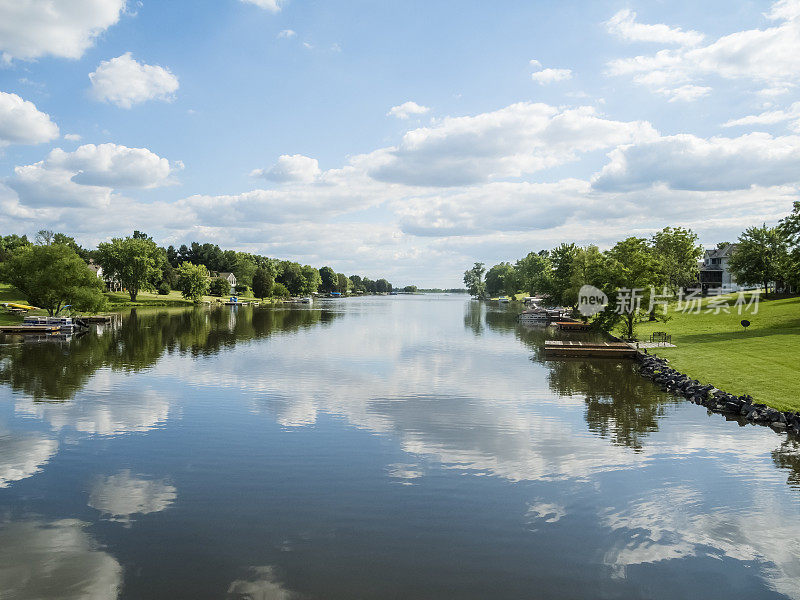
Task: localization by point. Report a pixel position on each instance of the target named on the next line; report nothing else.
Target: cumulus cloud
(546, 76)
(516, 140)
(768, 56)
(688, 162)
(87, 175)
(286, 33)
(407, 109)
(125, 82)
(268, 5)
(770, 117)
(623, 24)
(22, 123)
(30, 29)
(290, 168)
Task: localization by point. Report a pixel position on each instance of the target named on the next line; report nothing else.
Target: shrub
(280, 291)
(219, 287)
(163, 288)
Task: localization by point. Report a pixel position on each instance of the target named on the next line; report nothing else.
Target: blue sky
(403, 139)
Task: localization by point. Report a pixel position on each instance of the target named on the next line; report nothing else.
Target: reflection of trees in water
(58, 370)
(787, 456)
(473, 316)
(477, 315)
(620, 405)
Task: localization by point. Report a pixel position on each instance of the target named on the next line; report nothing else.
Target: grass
(762, 360)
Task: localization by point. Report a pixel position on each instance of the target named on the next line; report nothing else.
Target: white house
(715, 270)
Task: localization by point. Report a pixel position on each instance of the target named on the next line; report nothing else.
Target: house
(229, 277)
(111, 285)
(715, 270)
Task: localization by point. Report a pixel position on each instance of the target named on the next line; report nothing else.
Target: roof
(721, 252)
(226, 275)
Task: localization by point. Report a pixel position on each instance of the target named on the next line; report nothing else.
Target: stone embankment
(743, 407)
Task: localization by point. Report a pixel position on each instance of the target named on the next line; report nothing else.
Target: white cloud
(546, 76)
(122, 495)
(768, 56)
(286, 33)
(687, 162)
(87, 175)
(269, 5)
(125, 82)
(31, 29)
(22, 123)
(685, 93)
(624, 25)
(262, 583)
(72, 137)
(535, 63)
(407, 109)
(513, 141)
(770, 117)
(291, 168)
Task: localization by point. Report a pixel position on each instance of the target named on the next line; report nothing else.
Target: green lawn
(763, 360)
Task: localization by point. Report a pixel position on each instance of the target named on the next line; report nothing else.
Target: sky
(404, 140)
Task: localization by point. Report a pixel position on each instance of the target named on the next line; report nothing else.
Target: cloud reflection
(55, 560)
(262, 584)
(23, 455)
(121, 496)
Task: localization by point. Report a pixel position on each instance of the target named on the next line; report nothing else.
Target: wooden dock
(573, 326)
(29, 328)
(572, 349)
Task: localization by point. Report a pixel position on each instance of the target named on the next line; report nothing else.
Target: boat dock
(573, 349)
(573, 326)
(29, 328)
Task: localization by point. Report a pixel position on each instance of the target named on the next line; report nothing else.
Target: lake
(380, 447)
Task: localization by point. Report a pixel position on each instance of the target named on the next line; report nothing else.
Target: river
(382, 447)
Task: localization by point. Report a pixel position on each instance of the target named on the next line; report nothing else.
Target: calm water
(396, 447)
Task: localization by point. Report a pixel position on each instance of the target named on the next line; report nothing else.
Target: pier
(573, 349)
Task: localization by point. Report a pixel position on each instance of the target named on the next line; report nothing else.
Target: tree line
(53, 270)
(663, 264)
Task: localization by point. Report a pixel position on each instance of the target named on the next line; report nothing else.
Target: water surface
(393, 447)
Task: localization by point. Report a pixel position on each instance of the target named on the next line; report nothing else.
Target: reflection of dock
(566, 348)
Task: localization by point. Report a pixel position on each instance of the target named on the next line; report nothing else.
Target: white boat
(67, 323)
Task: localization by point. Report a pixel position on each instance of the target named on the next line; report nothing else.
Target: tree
(559, 281)
(291, 275)
(280, 291)
(410, 289)
(53, 276)
(311, 280)
(44, 237)
(343, 283)
(382, 286)
(629, 275)
(789, 228)
(263, 280)
(192, 281)
(501, 279)
(358, 283)
(219, 286)
(473, 279)
(761, 257)
(134, 262)
(676, 254)
(329, 279)
(9, 244)
(532, 273)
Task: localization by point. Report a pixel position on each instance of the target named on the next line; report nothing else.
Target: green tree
(192, 281)
(358, 283)
(219, 286)
(676, 253)
(280, 291)
(291, 275)
(559, 281)
(533, 273)
(382, 286)
(473, 279)
(263, 280)
(789, 228)
(761, 257)
(53, 276)
(10, 244)
(134, 262)
(342, 283)
(329, 279)
(311, 280)
(500, 279)
(629, 275)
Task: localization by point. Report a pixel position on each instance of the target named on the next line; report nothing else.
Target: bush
(280, 291)
(163, 288)
(241, 289)
(219, 287)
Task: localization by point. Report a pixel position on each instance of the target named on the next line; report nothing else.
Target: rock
(778, 426)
